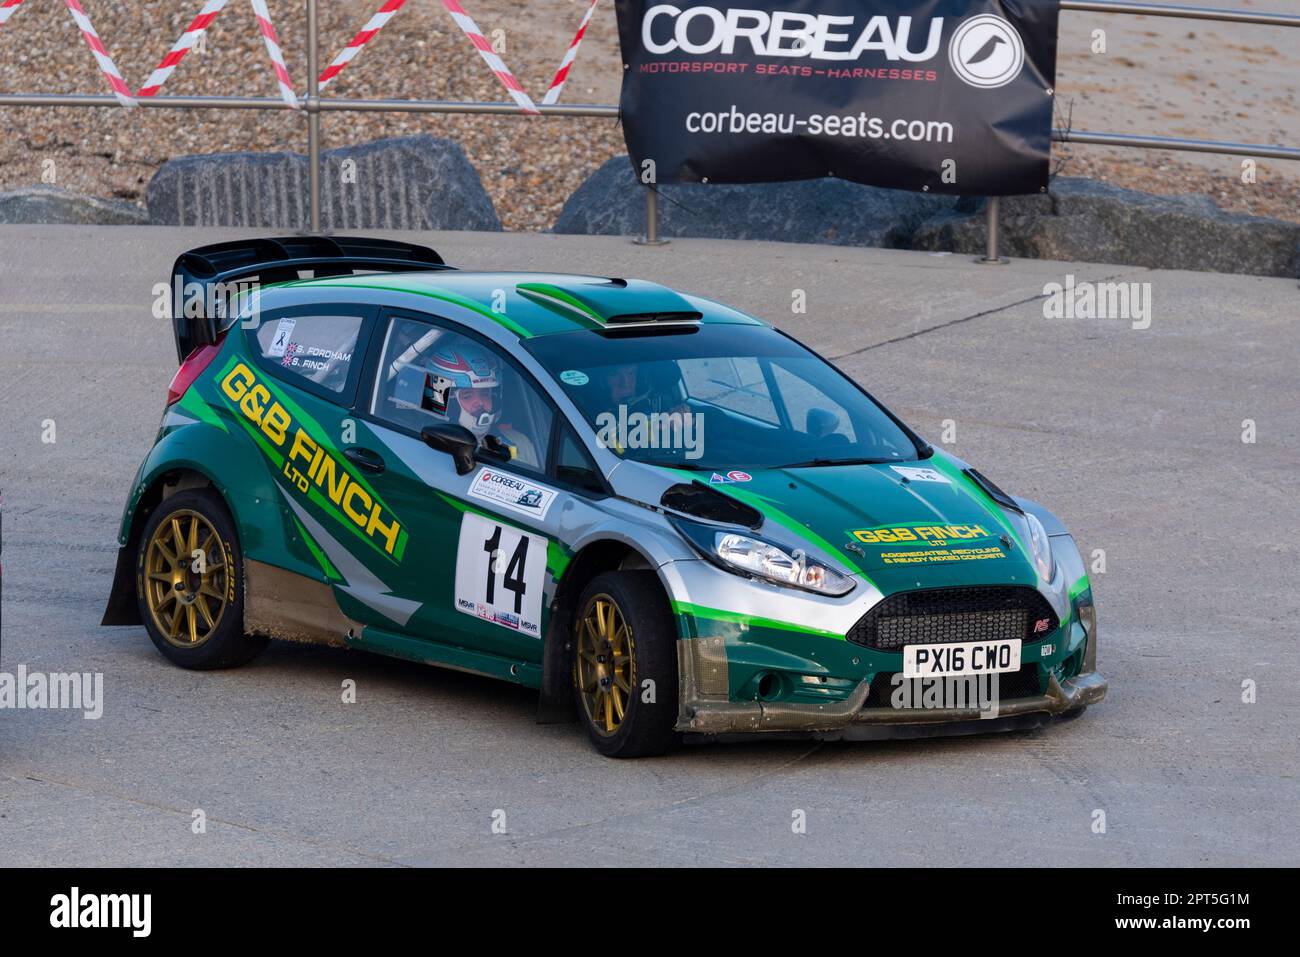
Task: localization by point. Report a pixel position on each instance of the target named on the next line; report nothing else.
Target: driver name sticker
(912, 474)
(283, 332)
(500, 574)
(508, 491)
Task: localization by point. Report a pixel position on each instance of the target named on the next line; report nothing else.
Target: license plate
(961, 658)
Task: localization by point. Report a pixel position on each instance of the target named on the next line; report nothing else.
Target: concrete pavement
(1132, 436)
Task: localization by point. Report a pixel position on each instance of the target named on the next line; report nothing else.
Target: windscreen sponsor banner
(943, 96)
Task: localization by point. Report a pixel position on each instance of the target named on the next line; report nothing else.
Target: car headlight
(1041, 546)
(746, 554)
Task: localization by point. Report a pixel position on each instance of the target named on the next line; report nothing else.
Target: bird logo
(986, 52)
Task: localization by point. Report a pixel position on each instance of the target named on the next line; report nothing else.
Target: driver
(623, 383)
(462, 384)
(628, 387)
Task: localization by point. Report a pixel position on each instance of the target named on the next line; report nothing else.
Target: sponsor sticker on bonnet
(914, 474)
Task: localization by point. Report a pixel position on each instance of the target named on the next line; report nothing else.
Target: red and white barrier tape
(106, 64)
(183, 46)
(273, 51)
(364, 36)
(562, 74)
(471, 30)
(7, 9)
(211, 8)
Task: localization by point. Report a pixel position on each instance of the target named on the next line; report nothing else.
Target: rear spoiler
(206, 274)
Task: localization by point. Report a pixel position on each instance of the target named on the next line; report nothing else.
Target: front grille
(940, 615)
(1024, 683)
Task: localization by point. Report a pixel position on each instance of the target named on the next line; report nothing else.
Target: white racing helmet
(455, 369)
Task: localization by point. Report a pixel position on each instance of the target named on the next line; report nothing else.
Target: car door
(482, 544)
(303, 379)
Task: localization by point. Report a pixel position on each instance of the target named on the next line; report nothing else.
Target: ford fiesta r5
(665, 515)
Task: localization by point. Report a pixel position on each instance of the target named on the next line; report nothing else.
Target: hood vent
(703, 501)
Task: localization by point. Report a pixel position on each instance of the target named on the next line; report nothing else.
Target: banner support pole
(991, 257)
(313, 120)
(651, 237)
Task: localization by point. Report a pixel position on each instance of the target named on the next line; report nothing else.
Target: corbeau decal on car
(282, 431)
(510, 491)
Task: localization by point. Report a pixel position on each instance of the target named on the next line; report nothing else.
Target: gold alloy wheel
(186, 604)
(604, 664)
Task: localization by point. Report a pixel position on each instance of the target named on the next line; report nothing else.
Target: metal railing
(313, 105)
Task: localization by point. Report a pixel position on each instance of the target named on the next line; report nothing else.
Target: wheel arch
(164, 483)
(555, 701)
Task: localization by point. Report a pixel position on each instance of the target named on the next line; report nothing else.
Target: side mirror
(456, 440)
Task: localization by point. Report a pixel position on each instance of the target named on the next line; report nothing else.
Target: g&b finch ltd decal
(308, 463)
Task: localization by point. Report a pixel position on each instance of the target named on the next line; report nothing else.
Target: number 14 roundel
(500, 573)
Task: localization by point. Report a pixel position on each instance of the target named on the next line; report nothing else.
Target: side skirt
(528, 674)
(290, 607)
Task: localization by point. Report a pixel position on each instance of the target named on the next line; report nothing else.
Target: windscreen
(719, 398)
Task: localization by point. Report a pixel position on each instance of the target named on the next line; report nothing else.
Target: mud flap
(122, 608)
(555, 696)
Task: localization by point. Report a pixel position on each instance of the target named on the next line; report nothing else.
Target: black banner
(944, 96)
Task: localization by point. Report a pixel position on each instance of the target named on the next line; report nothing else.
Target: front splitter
(851, 720)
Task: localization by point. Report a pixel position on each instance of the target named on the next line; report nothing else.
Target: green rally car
(665, 515)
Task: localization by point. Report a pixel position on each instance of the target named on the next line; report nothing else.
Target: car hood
(917, 524)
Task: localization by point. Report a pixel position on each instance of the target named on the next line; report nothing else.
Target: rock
(51, 204)
(1080, 220)
(833, 211)
(415, 182)
(230, 189)
(412, 182)
(1083, 220)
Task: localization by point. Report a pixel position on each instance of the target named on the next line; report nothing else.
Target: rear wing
(211, 284)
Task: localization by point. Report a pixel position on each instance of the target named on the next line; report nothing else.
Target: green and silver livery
(665, 515)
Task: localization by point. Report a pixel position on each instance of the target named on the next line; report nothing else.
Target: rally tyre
(623, 637)
(189, 583)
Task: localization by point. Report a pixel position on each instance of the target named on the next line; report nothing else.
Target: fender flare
(122, 608)
(555, 699)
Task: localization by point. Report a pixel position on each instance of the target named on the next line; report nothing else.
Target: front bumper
(853, 718)
(780, 667)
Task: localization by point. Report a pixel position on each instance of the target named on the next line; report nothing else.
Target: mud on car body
(463, 469)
